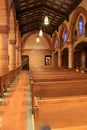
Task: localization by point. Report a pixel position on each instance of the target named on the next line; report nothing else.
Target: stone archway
(65, 58)
(80, 55)
(76, 13)
(62, 28)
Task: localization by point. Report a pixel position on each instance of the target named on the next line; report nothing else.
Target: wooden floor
(14, 107)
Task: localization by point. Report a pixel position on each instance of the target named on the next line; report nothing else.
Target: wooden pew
(56, 72)
(44, 68)
(46, 84)
(61, 113)
(56, 76)
(58, 88)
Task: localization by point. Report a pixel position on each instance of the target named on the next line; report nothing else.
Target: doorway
(25, 62)
(48, 60)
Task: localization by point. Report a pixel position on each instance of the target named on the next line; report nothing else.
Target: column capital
(17, 47)
(4, 29)
(12, 42)
(20, 49)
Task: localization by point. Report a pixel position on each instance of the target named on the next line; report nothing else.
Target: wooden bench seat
(58, 88)
(48, 68)
(52, 76)
(61, 113)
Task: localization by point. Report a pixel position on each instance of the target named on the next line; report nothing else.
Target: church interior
(43, 65)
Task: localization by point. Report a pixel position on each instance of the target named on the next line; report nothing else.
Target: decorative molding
(17, 47)
(12, 42)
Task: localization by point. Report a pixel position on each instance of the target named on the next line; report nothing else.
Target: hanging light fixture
(37, 39)
(46, 20)
(40, 32)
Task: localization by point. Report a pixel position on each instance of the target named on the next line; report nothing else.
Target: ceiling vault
(31, 13)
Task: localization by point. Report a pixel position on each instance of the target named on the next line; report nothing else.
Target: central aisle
(15, 110)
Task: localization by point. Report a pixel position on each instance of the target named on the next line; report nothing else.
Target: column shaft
(12, 55)
(3, 53)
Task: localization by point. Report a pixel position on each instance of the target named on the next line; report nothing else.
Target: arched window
(81, 25)
(56, 42)
(65, 37)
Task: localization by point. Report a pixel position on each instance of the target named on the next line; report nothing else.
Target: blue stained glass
(65, 36)
(56, 42)
(80, 26)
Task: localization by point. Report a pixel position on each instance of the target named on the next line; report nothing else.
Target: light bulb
(46, 21)
(40, 32)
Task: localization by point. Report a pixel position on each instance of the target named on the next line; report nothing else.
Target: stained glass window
(56, 42)
(80, 26)
(65, 36)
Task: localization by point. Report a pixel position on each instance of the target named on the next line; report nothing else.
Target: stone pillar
(70, 57)
(3, 50)
(52, 58)
(83, 59)
(12, 55)
(20, 60)
(17, 56)
(59, 57)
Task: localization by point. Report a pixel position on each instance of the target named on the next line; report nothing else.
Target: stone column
(20, 60)
(70, 57)
(83, 59)
(17, 56)
(59, 57)
(3, 50)
(52, 58)
(12, 55)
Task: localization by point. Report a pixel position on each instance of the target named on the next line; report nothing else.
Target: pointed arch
(76, 13)
(63, 33)
(45, 36)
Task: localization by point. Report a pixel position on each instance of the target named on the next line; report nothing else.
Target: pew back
(63, 112)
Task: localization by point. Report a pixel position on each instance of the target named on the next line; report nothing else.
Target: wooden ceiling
(31, 13)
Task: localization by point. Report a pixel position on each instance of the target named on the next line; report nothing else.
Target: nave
(15, 107)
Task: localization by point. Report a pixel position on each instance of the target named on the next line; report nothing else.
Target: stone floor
(15, 107)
